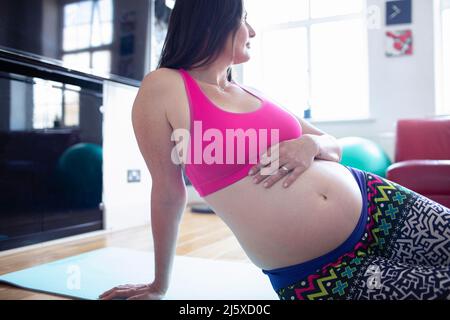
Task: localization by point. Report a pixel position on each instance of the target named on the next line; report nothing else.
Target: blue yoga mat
(87, 275)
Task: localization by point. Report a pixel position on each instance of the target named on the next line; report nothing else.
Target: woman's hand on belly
(288, 159)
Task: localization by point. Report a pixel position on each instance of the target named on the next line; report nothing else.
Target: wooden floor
(200, 235)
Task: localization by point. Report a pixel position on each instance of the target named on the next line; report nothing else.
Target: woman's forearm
(328, 147)
(166, 218)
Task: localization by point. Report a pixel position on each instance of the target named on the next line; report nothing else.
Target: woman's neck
(213, 75)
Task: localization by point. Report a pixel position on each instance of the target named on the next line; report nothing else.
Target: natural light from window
(48, 98)
(310, 54)
(55, 102)
(88, 35)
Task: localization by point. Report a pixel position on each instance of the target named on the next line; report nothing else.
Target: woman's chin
(246, 57)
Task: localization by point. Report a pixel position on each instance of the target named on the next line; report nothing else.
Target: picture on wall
(399, 43)
(398, 12)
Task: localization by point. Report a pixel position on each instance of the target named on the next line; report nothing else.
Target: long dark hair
(197, 32)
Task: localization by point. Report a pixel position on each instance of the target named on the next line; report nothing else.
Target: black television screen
(101, 36)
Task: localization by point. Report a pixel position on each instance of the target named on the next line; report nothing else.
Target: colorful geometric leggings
(404, 253)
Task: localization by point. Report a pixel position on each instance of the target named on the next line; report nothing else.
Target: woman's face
(242, 42)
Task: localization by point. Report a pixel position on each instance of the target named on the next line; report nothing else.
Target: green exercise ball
(365, 155)
(80, 175)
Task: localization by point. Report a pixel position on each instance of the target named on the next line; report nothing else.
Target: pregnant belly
(279, 227)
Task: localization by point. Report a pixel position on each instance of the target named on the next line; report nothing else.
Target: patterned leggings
(404, 253)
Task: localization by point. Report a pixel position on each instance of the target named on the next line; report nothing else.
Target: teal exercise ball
(80, 174)
(364, 154)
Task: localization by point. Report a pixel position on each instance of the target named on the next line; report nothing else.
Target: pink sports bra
(216, 155)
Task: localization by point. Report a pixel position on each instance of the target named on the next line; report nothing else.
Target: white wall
(126, 204)
(402, 87)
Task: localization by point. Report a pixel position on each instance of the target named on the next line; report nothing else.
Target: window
(444, 105)
(71, 106)
(87, 44)
(56, 105)
(88, 34)
(311, 54)
(47, 96)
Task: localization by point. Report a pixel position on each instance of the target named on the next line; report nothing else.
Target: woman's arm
(168, 193)
(168, 197)
(328, 147)
(165, 225)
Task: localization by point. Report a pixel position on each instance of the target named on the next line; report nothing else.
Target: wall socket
(134, 176)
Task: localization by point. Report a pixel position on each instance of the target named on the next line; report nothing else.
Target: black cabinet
(50, 153)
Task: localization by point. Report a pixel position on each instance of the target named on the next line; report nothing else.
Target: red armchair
(422, 158)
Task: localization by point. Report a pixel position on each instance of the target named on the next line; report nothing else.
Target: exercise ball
(80, 175)
(365, 155)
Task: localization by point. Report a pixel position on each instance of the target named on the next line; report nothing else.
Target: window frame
(39, 87)
(90, 49)
(442, 107)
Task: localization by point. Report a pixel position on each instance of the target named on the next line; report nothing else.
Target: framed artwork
(399, 43)
(398, 12)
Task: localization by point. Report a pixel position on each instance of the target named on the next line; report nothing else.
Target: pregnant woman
(333, 232)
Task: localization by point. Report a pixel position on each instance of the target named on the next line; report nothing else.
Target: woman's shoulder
(165, 88)
(164, 82)
(161, 76)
